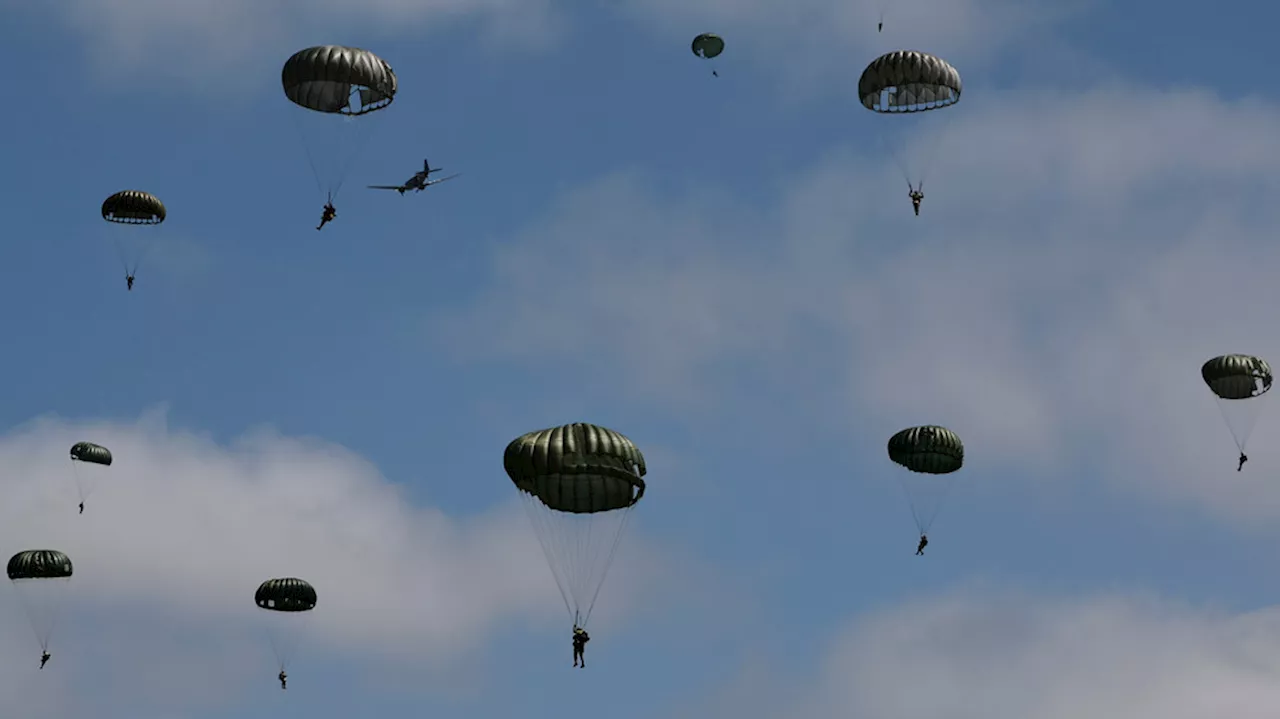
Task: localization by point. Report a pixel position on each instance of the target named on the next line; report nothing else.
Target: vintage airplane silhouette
(418, 182)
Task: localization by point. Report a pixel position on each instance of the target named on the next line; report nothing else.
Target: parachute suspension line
(53, 624)
(923, 522)
(146, 249)
(124, 261)
(933, 147)
(142, 254)
(123, 254)
(306, 146)
(80, 483)
(277, 648)
(358, 147)
(604, 572)
(946, 492)
(42, 605)
(538, 517)
(364, 132)
(897, 160)
(1241, 428)
(578, 555)
(911, 504)
(1240, 441)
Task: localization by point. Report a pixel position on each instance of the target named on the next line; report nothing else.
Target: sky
(728, 271)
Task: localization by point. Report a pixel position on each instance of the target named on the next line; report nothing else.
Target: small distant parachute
(928, 452)
(338, 86)
(290, 600)
(138, 209)
(40, 577)
(579, 483)
(1238, 382)
(707, 46)
(910, 83)
(88, 453)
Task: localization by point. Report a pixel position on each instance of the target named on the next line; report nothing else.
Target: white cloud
(813, 45)
(820, 44)
(1076, 260)
(181, 530)
(987, 654)
(139, 42)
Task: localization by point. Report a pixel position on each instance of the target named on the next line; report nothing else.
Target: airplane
(418, 182)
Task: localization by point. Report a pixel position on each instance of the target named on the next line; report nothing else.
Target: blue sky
(726, 270)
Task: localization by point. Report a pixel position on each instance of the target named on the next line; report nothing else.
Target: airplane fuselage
(417, 183)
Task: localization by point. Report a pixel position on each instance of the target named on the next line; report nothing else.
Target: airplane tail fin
(426, 167)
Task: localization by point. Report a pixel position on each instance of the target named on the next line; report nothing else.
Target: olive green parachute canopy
(707, 45)
(1237, 376)
(577, 468)
(322, 79)
(39, 564)
(133, 207)
(1232, 378)
(40, 579)
(286, 594)
(91, 453)
(580, 483)
(908, 81)
(928, 450)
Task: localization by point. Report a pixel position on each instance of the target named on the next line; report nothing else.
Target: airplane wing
(442, 179)
(387, 187)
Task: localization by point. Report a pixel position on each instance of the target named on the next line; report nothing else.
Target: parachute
(290, 600)
(1238, 382)
(88, 453)
(707, 46)
(927, 452)
(40, 577)
(337, 85)
(908, 82)
(579, 483)
(140, 209)
(884, 10)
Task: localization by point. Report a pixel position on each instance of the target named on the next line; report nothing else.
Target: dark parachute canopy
(289, 601)
(137, 208)
(707, 45)
(927, 451)
(580, 482)
(337, 79)
(338, 85)
(286, 594)
(1238, 382)
(39, 564)
(91, 453)
(133, 207)
(40, 577)
(1237, 376)
(909, 82)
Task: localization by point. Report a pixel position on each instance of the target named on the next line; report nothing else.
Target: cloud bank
(1001, 654)
(180, 530)
(1076, 260)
